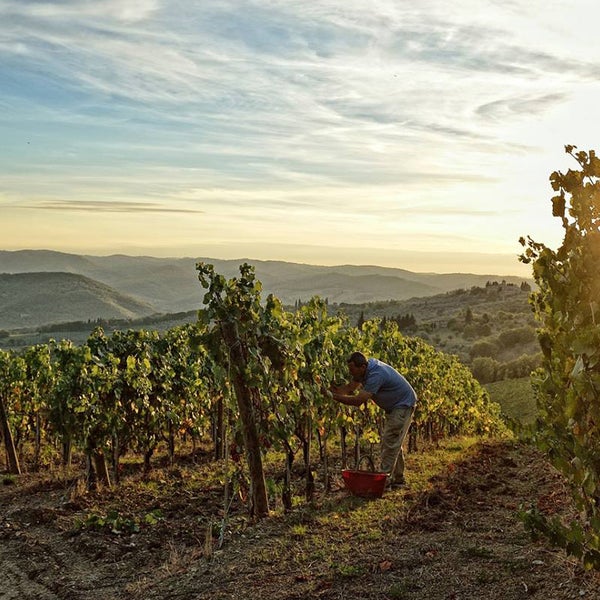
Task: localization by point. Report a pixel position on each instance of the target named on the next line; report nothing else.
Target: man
(376, 380)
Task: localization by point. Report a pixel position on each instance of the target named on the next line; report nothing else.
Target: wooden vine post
(11, 452)
(234, 307)
(9, 379)
(245, 395)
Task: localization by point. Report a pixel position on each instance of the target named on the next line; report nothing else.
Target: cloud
(105, 206)
(81, 10)
(274, 107)
(280, 80)
(522, 106)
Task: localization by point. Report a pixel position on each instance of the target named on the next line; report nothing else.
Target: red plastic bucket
(367, 484)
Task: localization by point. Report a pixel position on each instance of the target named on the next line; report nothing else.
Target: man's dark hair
(358, 358)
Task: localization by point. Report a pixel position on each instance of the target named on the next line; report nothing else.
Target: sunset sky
(413, 134)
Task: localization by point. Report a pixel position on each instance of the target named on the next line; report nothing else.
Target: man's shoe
(395, 485)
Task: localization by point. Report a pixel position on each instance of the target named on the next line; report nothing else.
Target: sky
(414, 134)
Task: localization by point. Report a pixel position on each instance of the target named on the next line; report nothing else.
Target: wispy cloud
(393, 107)
(523, 106)
(105, 206)
(81, 10)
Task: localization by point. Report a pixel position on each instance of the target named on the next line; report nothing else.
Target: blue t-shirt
(390, 389)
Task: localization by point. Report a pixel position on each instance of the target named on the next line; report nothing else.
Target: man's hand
(328, 393)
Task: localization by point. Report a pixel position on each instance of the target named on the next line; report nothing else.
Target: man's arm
(346, 388)
(352, 399)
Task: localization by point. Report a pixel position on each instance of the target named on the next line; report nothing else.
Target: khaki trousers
(397, 422)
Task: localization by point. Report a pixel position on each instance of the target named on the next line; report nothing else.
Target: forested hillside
(490, 328)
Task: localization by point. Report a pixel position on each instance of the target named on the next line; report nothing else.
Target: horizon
(408, 135)
(240, 259)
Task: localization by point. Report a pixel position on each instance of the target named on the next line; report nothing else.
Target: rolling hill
(33, 299)
(171, 284)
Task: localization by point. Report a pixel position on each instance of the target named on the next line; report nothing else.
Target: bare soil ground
(459, 538)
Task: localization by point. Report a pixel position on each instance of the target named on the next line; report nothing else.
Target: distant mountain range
(53, 287)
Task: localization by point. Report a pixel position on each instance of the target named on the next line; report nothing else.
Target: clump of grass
(398, 591)
(486, 577)
(349, 570)
(402, 589)
(299, 531)
(478, 552)
(111, 521)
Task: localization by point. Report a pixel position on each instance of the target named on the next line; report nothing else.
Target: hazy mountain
(171, 284)
(339, 287)
(32, 299)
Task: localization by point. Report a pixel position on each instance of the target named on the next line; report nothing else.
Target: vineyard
(248, 376)
(139, 460)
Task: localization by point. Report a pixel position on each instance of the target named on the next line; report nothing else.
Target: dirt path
(460, 539)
